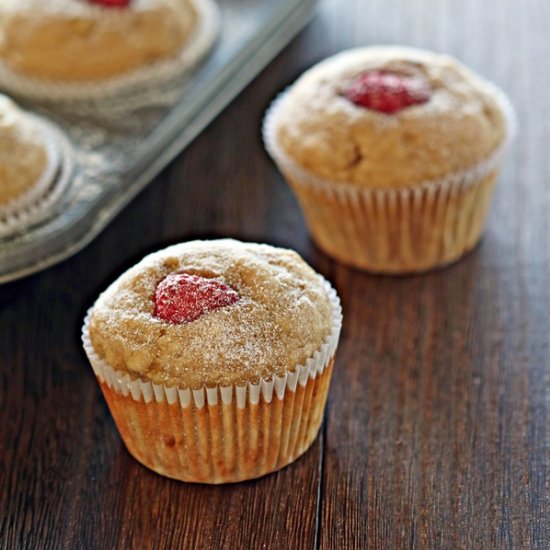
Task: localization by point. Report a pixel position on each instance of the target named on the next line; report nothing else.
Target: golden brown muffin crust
(23, 156)
(332, 138)
(75, 40)
(282, 318)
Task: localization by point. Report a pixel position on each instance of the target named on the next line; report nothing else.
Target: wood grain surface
(437, 432)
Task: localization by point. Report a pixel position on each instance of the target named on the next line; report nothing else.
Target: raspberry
(388, 92)
(112, 3)
(181, 298)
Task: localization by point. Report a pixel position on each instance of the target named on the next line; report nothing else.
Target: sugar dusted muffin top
(212, 313)
(80, 40)
(23, 156)
(334, 122)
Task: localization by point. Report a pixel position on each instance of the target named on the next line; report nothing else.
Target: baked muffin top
(67, 8)
(333, 124)
(212, 313)
(74, 40)
(23, 156)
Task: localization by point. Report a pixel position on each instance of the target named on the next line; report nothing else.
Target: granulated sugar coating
(282, 317)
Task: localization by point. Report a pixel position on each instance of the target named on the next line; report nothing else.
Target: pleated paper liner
(397, 231)
(139, 85)
(40, 201)
(222, 434)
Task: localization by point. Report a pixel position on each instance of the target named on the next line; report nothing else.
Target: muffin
(393, 154)
(87, 42)
(28, 162)
(215, 358)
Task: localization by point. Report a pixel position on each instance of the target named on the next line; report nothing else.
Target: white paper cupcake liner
(37, 203)
(223, 433)
(395, 230)
(147, 78)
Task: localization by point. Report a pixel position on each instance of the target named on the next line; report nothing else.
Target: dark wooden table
(437, 433)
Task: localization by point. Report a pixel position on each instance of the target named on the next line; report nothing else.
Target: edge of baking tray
(235, 76)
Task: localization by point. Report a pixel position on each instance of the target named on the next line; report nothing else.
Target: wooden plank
(438, 429)
(66, 480)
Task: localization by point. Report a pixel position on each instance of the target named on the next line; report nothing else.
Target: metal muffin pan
(116, 148)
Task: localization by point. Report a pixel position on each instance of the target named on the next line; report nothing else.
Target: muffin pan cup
(136, 82)
(222, 434)
(395, 231)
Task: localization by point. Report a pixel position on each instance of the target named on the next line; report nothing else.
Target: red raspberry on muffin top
(182, 298)
(111, 3)
(387, 92)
